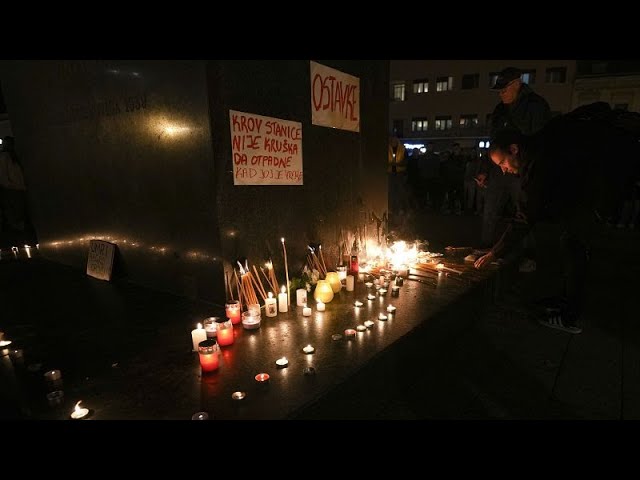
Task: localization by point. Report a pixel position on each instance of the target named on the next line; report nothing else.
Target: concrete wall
(138, 153)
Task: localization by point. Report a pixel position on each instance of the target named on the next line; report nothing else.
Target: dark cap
(505, 76)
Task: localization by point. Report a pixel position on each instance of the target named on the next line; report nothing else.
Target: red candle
(208, 352)
(233, 311)
(225, 332)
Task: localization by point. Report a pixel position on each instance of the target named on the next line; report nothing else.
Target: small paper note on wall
(335, 98)
(265, 150)
(100, 260)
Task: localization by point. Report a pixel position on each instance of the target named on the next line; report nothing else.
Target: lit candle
(238, 395)
(200, 416)
(361, 328)
(306, 311)
(368, 284)
(301, 297)
(251, 320)
(342, 272)
(399, 281)
(395, 291)
(232, 310)
(79, 412)
(391, 309)
(308, 349)
(286, 270)
(350, 333)
(371, 296)
(262, 377)
(210, 326)
(53, 379)
(321, 307)
(208, 353)
(225, 332)
(369, 324)
(382, 291)
(198, 335)
(350, 283)
(336, 336)
(382, 317)
(357, 303)
(282, 362)
(4, 344)
(270, 305)
(282, 300)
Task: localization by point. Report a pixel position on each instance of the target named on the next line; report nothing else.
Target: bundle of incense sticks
(314, 263)
(270, 276)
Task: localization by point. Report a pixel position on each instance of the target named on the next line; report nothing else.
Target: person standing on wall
(522, 110)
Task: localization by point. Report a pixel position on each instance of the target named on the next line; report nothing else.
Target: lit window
(493, 76)
(398, 92)
(421, 86)
(528, 77)
(419, 125)
(481, 144)
(443, 123)
(468, 121)
(444, 84)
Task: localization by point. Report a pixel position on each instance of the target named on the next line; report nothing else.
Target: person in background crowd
(12, 189)
(397, 180)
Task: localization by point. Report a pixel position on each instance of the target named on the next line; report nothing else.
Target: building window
(398, 128)
(556, 75)
(528, 77)
(443, 123)
(470, 81)
(493, 76)
(621, 106)
(468, 121)
(419, 125)
(421, 86)
(444, 84)
(398, 92)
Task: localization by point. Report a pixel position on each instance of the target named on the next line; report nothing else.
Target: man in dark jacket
(566, 180)
(525, 111)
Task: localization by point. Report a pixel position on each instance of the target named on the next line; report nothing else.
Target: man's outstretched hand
(484, 260)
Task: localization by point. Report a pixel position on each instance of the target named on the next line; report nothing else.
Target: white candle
(382, 317)
(270, 306)
(361, 328)
(371, 296)
(282, 300)
(368, 284)
(79, 412)
(321, 306)
(357, 303)
(350, 283)
(306, 311)
(368, 324)
(301, 297)
(198, 335)
(391, 309)
(282, 362)
(308, 349)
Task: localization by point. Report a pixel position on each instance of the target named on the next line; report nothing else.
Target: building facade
(614, 82)
(446, 101)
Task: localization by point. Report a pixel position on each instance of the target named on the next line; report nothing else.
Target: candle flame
(199, 325)
(77, 407)
(270, 295)
(440, 266)
(269, 265)
(282, 239)
(283, 289)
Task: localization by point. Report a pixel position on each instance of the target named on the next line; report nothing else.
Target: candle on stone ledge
(262, 378)
(306, 311)
(321, 307)
(282, 300)
(391, 309)
(208, 353)
(225, 332)
(350, 333)
(350, 283)
(282, 362)
(369, 324)
(232, 310)
(198, 335)
(308, 349)
(79, 412)
(270, 305)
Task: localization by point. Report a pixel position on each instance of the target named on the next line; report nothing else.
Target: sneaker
(528, 265)
(554, 319)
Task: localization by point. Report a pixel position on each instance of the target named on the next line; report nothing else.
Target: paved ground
(503, 364)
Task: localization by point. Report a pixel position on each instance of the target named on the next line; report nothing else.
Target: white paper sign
(335, 98)
(100, 261)
(265, 150)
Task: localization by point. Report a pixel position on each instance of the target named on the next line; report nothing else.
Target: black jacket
(572, 168)
(528, 114)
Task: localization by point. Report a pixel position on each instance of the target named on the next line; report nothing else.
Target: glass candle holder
(342, 272)
(211, 326)
(334, 281)
(225, 332)
(250, 320)
(232, 310)
(301, 297)
(323, 291)
(208, 352)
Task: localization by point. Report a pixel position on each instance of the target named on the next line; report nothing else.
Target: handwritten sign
(100, 261)
(335, 98)
(266, 150)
